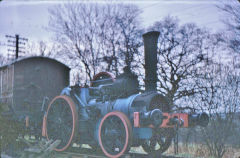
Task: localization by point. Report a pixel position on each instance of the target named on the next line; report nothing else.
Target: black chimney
(150, 51)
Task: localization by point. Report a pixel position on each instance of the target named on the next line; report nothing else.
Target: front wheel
(160, 141)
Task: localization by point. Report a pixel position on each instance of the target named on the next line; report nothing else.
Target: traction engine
(113, 115)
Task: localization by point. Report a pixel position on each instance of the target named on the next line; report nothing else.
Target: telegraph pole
(16, 42)
(17, 45)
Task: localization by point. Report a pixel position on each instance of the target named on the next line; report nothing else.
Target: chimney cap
(151, 33)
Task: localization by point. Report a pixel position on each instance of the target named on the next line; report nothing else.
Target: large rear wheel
(61, 121)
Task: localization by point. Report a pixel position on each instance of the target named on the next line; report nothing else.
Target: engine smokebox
(150, 52)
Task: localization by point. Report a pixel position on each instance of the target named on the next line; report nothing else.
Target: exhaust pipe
(150, 52)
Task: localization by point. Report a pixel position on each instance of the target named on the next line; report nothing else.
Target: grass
(186, 151)
(193, 151)
(200, 151)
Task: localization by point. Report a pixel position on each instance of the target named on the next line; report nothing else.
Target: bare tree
(77, 27)
(221, 99)
(122, 37)
(43, 48)
(93, 35)
(131, 34)
(232, 8)
(182, 51)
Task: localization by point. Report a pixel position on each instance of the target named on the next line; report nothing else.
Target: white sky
(30, 18)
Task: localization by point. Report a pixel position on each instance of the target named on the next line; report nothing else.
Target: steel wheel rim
(61, 120)
(115, 130)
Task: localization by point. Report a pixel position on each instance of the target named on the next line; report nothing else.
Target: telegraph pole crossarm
(18, 43)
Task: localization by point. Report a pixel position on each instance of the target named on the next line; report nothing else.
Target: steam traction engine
(113, 115)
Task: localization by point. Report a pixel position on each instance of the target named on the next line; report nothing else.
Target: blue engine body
(92, 108)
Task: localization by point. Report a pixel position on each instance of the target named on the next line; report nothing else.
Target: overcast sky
(30, 18)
